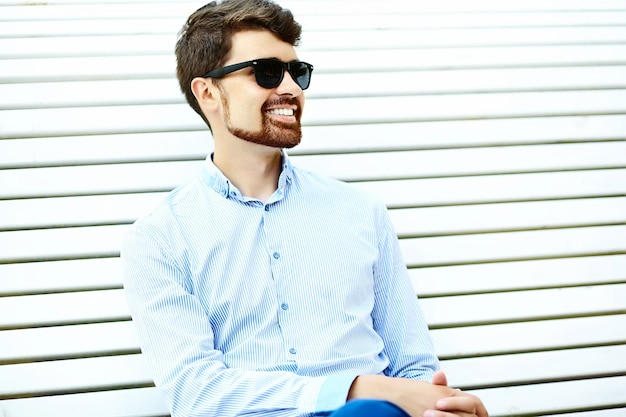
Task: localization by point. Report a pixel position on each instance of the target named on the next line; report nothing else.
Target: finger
(440, 413)
(439, 378)
(463, 403)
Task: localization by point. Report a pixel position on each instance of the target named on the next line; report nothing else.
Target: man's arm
(178, 341)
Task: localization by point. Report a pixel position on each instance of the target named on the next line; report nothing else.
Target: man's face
(269, 117)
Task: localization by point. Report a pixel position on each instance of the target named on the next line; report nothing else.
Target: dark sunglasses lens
(268, 73)
(301, 74)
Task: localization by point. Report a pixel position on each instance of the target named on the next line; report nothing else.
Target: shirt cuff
(333, 393)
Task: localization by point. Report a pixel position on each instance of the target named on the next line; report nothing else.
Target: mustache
(282, 101)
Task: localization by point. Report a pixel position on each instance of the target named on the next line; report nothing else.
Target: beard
(273, 133)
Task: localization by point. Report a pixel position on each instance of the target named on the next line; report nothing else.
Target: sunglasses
(269, 72)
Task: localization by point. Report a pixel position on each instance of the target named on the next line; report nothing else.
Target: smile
(281, 112)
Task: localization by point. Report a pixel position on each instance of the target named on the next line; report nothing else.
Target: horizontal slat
(59, 342)
(168, 117)
(346, 167)
(134, 402)
(79, 10)
(322, 40)
(55, 244)
(73, 375)
(498, 188)
(510, 276)
(130, 370)
(117, 26)
(524, 368)
(106, 273)
(59, 276)
(110, 305)
(26, 345)
(162, 146)
(161, 91)
(163, 66)
(63, 308)
(104, 241)
(540, 399)
(126, 208)
(526, 305)
(495, 339)
(510, 246)
(509, 401)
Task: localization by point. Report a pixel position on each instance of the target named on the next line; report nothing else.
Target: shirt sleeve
(177, 341)
(397, 316)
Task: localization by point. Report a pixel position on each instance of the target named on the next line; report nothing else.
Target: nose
(288, 86)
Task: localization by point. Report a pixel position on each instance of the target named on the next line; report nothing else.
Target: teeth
(281, 112)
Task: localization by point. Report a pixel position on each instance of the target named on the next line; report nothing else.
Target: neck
(253, 169)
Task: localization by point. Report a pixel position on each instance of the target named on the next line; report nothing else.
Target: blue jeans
(369, 408)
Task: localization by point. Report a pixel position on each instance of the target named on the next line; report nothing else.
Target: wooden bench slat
(49, 343)
(134, 402)
(105, 241)
(509, 246)
(168, 117)
(73, 341)
(497, 188)
(535, 367)
(73, 375)
(163, 66)
(567, 396)
(59, 276)
(160, 91)
(522, 306)
(511, 276)
(118, 26)
(496, 339)
(413, 222)
(321, 40)
(110, 305)
(125, 371)
(106, 273)
(182, 145)
(69, 180)
(63, 10)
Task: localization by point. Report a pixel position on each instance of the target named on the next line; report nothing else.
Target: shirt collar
(215, 179)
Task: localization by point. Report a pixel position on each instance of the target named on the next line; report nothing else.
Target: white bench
(494, 131)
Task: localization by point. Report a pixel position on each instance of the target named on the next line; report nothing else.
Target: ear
(206, 93)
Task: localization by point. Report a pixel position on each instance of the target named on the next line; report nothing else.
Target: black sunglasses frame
(291, 67)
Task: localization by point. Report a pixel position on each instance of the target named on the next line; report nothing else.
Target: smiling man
(261, 289)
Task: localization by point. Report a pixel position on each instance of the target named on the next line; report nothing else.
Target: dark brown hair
(205, 40)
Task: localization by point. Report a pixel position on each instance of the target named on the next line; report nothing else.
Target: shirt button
(284, 306)
(293, 351)
(267, 208)
(276, 255)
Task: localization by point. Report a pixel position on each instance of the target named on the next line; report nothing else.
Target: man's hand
(461, 404)
(419, 399)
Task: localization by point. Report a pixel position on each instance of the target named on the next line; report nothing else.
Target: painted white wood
(336, 111)
(314, 22)
(84, 340)
(159, 91)
(185, 145)
(321, 40)
(133, 402)
(512, 276)
(535, 367)
(110, 305)
(601, 392)
(163, 66)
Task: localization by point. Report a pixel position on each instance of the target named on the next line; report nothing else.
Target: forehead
(252, 44)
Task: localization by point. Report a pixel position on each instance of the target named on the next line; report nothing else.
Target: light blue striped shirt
(246, 308)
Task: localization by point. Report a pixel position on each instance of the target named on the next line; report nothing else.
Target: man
(261, 289)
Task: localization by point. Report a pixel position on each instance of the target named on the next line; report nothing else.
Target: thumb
(439, 378)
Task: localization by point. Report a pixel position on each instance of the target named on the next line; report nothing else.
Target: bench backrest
(494, 131)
